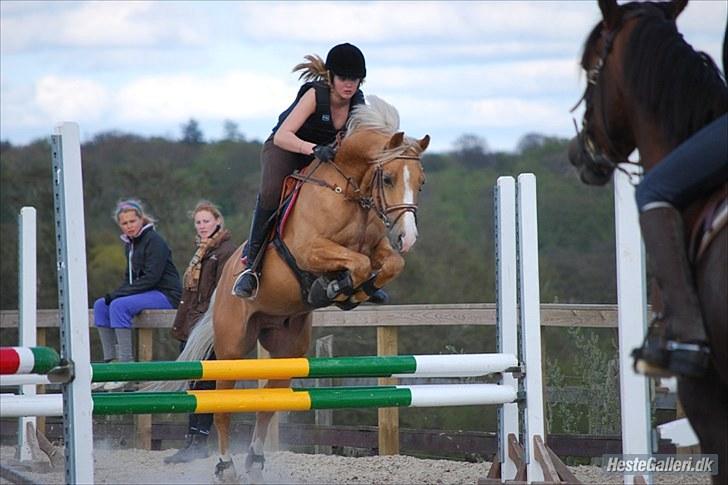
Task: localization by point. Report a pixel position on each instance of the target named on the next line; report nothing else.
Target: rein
(376, 200)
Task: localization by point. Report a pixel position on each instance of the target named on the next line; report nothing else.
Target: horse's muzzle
(593, 169)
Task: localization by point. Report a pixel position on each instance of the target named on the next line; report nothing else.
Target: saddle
(713, 217)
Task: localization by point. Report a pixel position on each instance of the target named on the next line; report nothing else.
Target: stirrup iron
(240, 276)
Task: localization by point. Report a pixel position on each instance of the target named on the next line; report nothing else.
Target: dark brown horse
(353, 221)
(648, 89)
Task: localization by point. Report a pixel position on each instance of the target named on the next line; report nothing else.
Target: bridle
(598, 161)
(376, 200)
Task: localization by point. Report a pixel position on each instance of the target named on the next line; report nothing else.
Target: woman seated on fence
(213, 248)
(150, 281)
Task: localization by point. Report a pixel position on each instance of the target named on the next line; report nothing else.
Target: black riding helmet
(346, 60)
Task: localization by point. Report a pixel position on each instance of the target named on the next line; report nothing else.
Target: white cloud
(71, 98)
(232, 95)
(382, 22)
(518, 112)
(93, 25)
(549, 76)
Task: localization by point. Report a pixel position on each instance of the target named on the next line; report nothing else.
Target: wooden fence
(387, 319)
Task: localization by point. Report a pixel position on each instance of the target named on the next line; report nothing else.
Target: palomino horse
(648, 89)
(352, 222)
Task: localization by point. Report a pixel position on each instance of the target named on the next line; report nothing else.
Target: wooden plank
(564, 472)
(541, 455)
(552, 315)
(388, 418)
(516, 453)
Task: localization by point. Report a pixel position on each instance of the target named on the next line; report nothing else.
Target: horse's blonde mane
(378, 115)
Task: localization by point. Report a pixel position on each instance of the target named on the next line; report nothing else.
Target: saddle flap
(713, 217)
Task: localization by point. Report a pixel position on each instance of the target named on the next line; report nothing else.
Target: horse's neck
(650, 141)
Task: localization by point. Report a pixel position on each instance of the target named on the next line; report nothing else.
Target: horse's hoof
(254, 465)
(225, 472)
(255, 476)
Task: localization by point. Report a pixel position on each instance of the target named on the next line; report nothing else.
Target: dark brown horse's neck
(653, 148)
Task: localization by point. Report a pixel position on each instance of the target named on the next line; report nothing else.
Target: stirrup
(239, 279)
(667, 358)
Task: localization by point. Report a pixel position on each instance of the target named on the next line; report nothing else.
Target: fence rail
(387, 319)
(552, 315)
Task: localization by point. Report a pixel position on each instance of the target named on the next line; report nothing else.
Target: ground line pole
(73, 301)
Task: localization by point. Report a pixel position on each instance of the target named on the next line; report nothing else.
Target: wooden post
(272, 440)
(324, 417)
(143, 422)
(388, 417)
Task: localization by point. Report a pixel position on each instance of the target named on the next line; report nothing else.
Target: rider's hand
(324, 153)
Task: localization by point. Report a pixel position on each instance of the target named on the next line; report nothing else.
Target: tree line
(452, 262)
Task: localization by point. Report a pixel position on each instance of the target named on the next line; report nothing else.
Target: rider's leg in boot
(246, 283)
(681, 349)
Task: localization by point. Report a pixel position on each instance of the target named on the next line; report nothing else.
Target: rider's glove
(324, 153)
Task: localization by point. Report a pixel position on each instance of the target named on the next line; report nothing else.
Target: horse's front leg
(325, 256)
(387, 264)
(255, 459)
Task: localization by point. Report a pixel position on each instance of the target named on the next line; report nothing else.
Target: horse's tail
(198, 347)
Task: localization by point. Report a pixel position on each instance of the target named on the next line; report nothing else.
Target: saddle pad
(289, 196)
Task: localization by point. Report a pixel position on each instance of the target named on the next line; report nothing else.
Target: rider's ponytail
(313, 70)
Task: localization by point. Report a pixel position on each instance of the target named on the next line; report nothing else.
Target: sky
(494, 69)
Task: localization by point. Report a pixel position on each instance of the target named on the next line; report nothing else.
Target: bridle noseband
(379, 196)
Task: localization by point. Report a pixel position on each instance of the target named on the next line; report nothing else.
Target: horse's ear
(395, 141)
(610, 13)
(424, 142)
(677, 7)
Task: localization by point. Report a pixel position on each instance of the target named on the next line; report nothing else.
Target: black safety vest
(318, 128)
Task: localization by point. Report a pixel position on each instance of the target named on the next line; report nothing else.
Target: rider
(695, 167)
(305, 130)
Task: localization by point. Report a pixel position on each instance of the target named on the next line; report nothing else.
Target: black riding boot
(676, 341)
(247, 282)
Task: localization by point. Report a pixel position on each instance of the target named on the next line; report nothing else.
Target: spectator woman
(213, 248)
(150, 281)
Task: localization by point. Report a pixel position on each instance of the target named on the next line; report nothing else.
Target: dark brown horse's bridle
(599, 162)
(376, 200)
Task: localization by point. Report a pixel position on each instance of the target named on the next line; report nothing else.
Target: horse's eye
(388, 180)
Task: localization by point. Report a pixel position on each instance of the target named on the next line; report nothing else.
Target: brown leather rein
(376, 200)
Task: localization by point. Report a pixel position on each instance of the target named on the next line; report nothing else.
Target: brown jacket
(194, 304)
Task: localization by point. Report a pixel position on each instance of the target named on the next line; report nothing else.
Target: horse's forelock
(376, 115)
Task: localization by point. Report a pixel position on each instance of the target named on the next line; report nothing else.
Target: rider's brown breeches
(275, 165)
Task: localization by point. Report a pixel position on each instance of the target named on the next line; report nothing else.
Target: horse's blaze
(408, 224)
